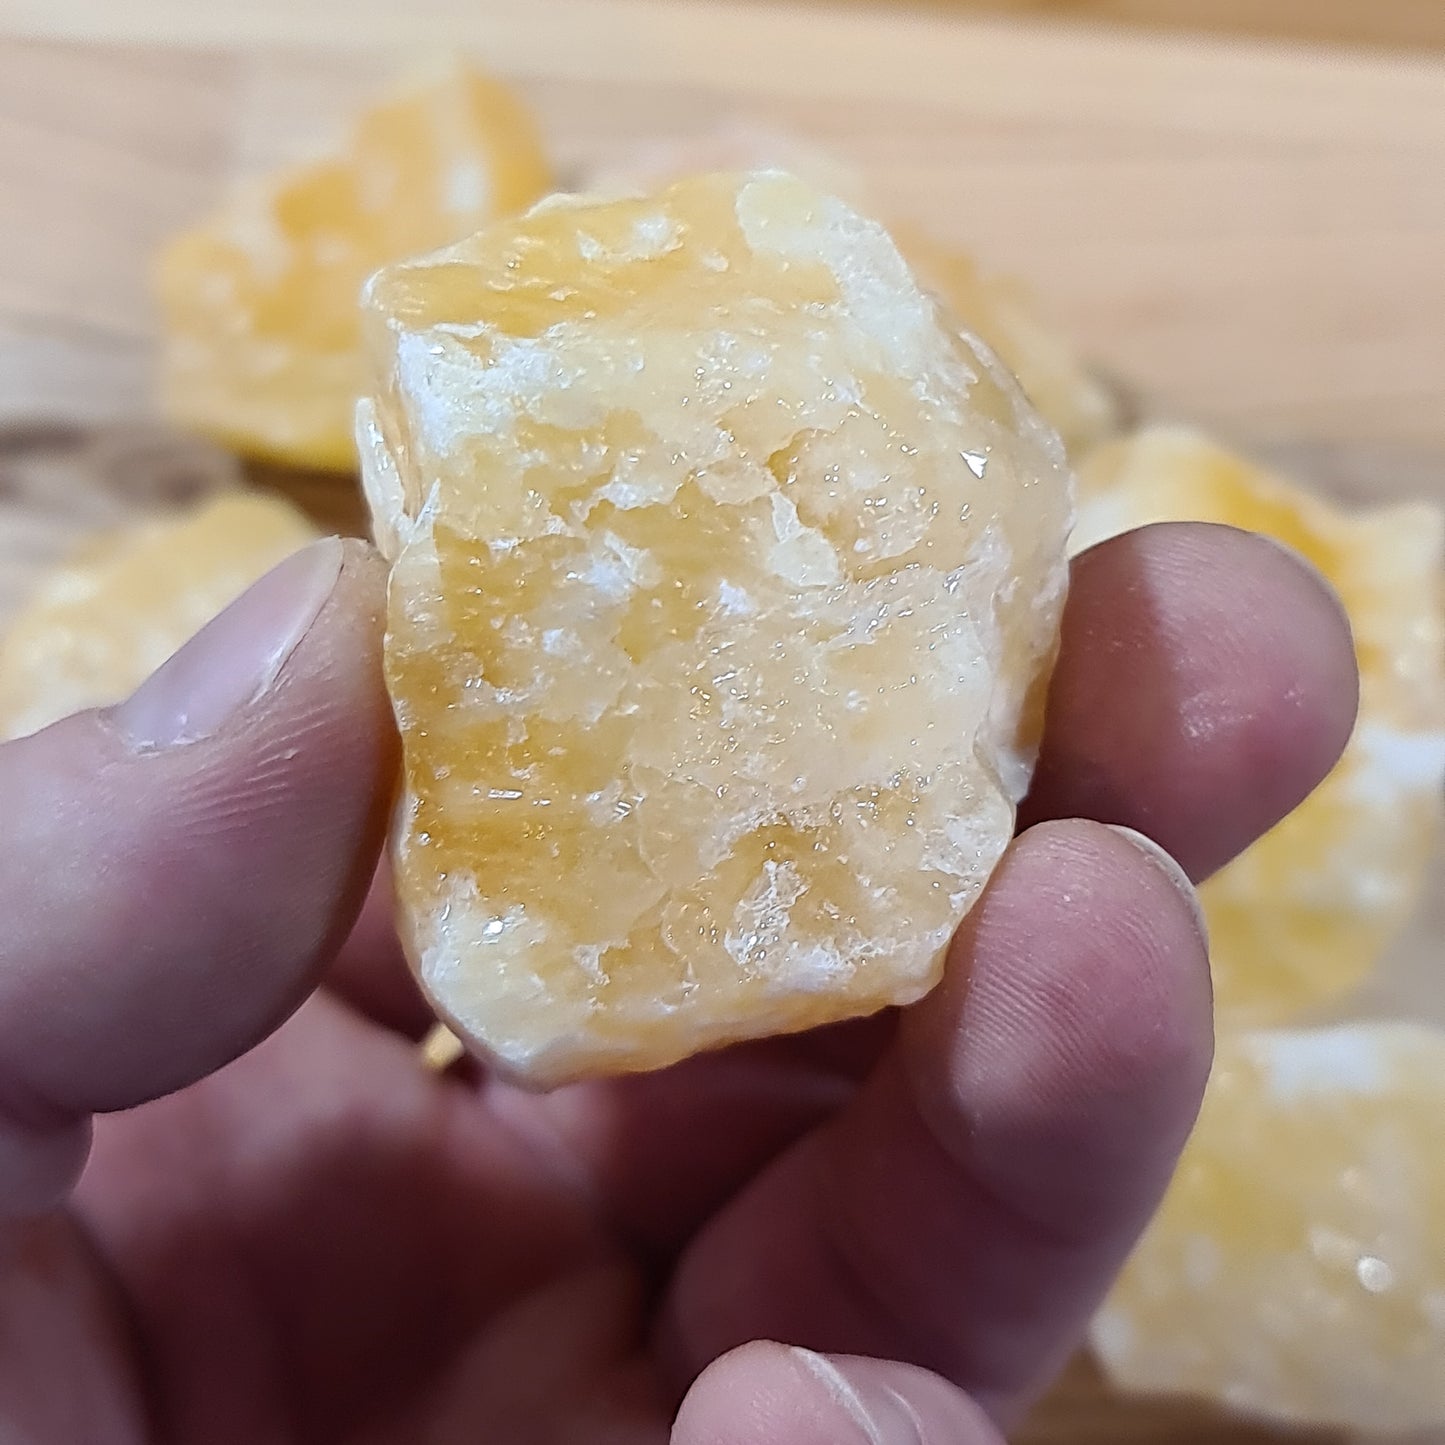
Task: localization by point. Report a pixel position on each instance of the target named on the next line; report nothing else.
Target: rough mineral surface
(1297, 1268)
(998, 309)
(1302, 917)
(262, 347)
(96, 627)
(726, 579)
(1003, 312)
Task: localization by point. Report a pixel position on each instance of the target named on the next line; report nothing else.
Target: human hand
(325, 1242)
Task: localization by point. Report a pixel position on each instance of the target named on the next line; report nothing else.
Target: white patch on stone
(800, 554)
(251, 227)
(1102, 517)
(380, 481)
(1113, 1335)
(734, 601)
(1321, 1062)
(1374, 1274)
(760, 920)
(653, 236)
(1393, 761)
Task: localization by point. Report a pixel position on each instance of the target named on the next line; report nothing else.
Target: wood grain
(1403, 24)
(1389, 23)
(1248, 236)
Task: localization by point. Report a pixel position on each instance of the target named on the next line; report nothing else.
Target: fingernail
(882, 1415)
(1166, 863)
(234, 659)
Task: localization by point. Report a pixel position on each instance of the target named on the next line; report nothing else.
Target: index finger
(1206, 683)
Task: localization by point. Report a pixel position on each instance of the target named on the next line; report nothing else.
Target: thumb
(770, 1394)
(175, 871)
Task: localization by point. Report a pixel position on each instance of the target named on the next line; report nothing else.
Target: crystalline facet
(718, 665)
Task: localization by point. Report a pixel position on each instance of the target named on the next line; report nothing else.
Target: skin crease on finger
(363, 1242)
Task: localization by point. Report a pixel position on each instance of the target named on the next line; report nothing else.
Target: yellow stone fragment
(726, 581)
(1302, 917)
(95, 628)
(998, 309)
(1297, 1268)
(1001, 310)
(259, 302)
(441, 1048)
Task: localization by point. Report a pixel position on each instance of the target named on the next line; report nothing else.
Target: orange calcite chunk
(726, 579)
(95, 628)
(259, 302)
(997, 309)
(1302, 917)
(1001, 311)
(1297, 1268)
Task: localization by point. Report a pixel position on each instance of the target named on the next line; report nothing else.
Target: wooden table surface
(1400, 24)
(1249, 235)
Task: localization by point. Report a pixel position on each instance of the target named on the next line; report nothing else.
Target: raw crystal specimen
(95, 628)
(1001, 311)
(1303, 916)
(259, 302)
(1297, 1268)
(726, 579)
(996, 308)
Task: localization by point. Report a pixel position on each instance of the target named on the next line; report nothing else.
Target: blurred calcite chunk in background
(727, 577)
(1297, 1268)
(61, 482)
(1301, 918)
(94, 628)
(261, 346)
(998, 309)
